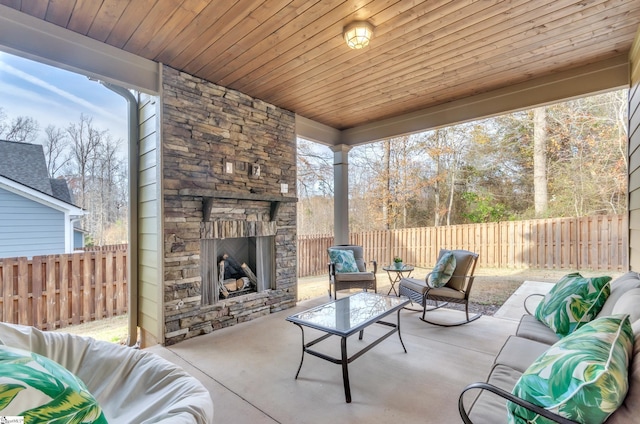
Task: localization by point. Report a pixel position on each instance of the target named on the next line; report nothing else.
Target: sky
(54, 96)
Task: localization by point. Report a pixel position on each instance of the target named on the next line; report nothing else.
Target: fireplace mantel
(208, 196)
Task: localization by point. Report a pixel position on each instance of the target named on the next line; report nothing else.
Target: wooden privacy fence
(54, 291)
(589, 243)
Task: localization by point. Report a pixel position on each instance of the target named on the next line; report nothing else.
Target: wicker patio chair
(456, 290)
(362, 279)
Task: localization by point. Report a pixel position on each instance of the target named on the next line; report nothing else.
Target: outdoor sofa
(130, 385)
(533, 339)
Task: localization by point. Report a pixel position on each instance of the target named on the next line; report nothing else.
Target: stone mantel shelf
(208, 197)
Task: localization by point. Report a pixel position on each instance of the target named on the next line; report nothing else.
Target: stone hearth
(214, 141)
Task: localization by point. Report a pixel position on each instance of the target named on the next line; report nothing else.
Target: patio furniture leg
(302, 356)
(345, 370)
(400, 335)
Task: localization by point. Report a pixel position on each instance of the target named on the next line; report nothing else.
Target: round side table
(397, 274)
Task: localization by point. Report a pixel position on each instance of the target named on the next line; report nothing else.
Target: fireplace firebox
(235, 266)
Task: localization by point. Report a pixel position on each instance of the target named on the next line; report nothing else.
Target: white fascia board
(40, 197)
(37, 39)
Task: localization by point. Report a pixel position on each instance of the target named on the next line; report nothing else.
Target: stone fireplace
(229, 176)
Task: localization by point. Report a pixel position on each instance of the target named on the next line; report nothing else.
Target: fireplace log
(243, 283)
(249, 273)
(221, 286)
(231, 284)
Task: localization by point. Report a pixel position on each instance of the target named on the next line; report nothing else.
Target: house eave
(40, 197)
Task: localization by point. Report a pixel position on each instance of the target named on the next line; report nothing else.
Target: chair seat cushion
(355, 276)
(445, 292)
(488, 407)
(519, 353)
(418, 286)
(131, 385)
(532, 329)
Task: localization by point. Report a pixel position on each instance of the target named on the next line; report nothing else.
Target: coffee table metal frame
(343, 309)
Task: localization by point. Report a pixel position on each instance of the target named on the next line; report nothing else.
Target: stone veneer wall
(203, 127)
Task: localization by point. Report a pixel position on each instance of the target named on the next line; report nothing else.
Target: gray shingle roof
(61, 190)
(25, 163)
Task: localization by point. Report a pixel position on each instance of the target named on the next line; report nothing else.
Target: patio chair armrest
(527, 298)
(332, 269)
(375, 266)
(426, 277)
(510, 397)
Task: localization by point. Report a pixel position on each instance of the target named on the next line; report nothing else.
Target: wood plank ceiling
(291, 52)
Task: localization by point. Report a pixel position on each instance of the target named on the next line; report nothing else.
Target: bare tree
(55, 145)
(99, 177)
(22, 129)
(3, 123)
(315, 188)
(85, 140)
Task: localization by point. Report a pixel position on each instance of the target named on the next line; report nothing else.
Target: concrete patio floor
(249, 368)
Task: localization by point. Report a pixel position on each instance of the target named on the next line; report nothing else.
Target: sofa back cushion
(585, 374)
(572, 302)
(619, 287)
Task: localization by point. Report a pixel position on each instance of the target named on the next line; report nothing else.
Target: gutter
(132, 259)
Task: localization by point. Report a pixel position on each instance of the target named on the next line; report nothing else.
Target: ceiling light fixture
(358, 34)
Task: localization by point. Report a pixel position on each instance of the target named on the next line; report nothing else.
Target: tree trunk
(436, 189)
(386, 196)
(540, 161)
(452, 192)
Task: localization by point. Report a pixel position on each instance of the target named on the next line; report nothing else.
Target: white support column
(341, 193)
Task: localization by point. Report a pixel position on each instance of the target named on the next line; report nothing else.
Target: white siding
(634, 158)
(150, 317)
(28, 228)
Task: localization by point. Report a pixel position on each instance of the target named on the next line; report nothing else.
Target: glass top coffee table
(345, 317)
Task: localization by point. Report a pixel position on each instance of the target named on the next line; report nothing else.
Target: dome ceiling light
(358, 34)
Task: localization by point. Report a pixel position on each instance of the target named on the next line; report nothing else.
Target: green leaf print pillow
(42, 391)
(572, 302)
(583, 377)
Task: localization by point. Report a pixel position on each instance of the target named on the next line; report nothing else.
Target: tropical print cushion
(583, 377)
(42, 391)
(443, 271)
(572, 302)
(343, 260)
